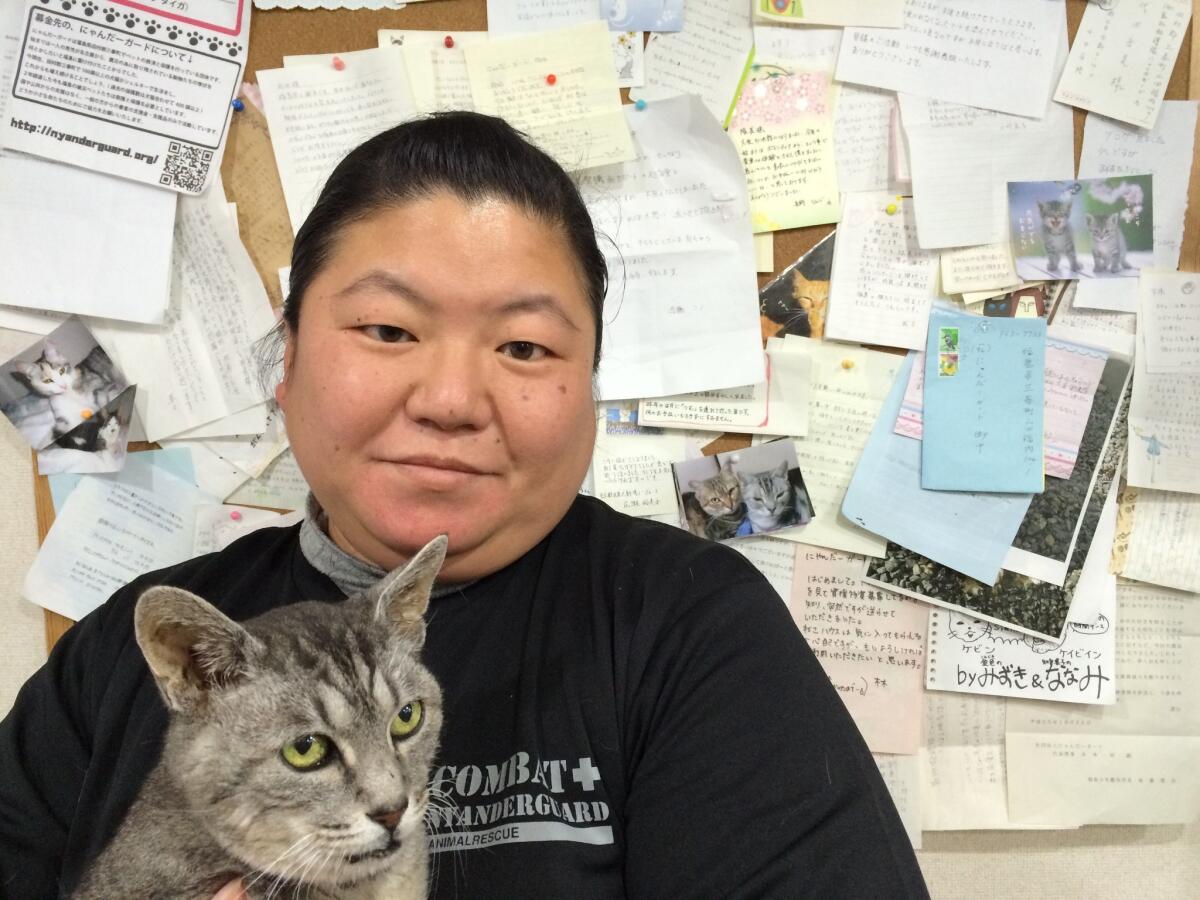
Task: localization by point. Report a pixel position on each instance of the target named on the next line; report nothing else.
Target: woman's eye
(526, 351)
(388, 334)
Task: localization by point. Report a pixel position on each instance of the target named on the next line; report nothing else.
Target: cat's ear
(53, 355)
(25, 371)
(1089, 219)
(192, 647)
(401, 597)
(1041, 207)
(1114, 219)
(781, 470)
(695, 486)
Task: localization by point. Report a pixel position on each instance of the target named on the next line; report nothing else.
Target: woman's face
(440, 382)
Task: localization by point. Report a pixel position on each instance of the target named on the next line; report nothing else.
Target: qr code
(186, 167)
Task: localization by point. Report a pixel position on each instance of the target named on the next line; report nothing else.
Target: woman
(629, 710)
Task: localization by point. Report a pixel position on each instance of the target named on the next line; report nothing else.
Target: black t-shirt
(629, 712)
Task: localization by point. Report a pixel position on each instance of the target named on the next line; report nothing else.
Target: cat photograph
(757, 490)
(297, 753)
(1054, 225)
(55, 391)
(98, 445)
(796, 301)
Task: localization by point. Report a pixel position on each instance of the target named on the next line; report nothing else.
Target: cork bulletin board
(263, 218)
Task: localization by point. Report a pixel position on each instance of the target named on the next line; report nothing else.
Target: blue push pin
(639, 105)
(238, 105)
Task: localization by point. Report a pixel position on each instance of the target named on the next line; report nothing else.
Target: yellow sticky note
(560, 88)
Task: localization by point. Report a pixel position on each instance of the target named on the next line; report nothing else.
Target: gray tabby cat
(1057, 234)
(770, 499)
(1108, 243)
(720, 498)
(297, 753)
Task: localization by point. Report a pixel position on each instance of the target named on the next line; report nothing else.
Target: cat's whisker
(266, 870)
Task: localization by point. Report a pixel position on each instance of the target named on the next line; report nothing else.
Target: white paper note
(962, 771)
(862, 125)
(849, 385)
(1113, 148)
(511, 17)
(437, 74)
(883, 284)
(776, 560)
(870, 642)
(1164, 545)
(681, 313)
(218, 525)
(987, 267)
(1170, 320)
(810, 48)
(1122, 58)
(77, 241)
(318, 113)
(281, 486)
(962, 158)
(1164, 430)
(632, 473)
(902, 775)
(559, 87)
(707, 58)
(199, 365)
(995, 54)
(107, 534)
(779, 407)
(1130, 763)
(103, 94)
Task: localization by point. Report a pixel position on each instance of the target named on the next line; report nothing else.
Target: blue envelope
(984, 394)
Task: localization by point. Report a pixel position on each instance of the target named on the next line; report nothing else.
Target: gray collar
(351, 574)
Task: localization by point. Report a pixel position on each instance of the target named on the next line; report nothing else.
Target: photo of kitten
(1055, 224)
(757, 490)
(60, 392)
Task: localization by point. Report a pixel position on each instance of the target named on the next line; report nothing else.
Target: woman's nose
(450, 392)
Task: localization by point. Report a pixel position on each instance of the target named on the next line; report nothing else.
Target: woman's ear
(289, 355)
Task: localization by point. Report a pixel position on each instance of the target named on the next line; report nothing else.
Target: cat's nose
(389, 818)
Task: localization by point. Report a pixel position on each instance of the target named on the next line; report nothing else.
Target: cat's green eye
(306, 752)
(407, 720)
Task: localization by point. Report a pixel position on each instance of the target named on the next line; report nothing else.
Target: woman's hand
(232, 891)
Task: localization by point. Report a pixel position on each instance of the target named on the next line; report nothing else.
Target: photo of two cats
(1055, 227)
(758, 490)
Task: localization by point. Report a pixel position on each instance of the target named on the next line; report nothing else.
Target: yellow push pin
(847, 364)
(891, 209)
(86, 414)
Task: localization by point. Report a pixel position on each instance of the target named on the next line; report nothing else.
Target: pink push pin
(338, 63)
(448, 42)
(236, 516)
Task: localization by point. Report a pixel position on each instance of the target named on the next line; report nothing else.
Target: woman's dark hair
(473, 156)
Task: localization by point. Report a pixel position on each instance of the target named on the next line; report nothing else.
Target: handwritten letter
(883, 284)
(560, 88)
(317, 114)
(870, 643)
(1122, 58)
